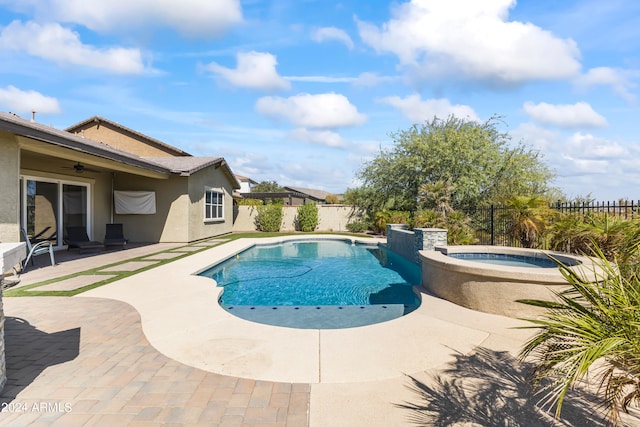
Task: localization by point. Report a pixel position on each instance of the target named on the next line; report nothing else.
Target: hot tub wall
(486, 287)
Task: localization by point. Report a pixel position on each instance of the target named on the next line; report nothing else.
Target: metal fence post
(492, 230)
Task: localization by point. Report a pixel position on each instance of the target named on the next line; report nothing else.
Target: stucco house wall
(213, 178)
(168, 223)
(9, 170)
(122, 138)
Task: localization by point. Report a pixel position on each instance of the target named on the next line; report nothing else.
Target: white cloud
(619, 80)
(326, 110)
(192, 17)
(587, 146)
(55, 43)
(575, 115)
(471, 40)
(255, 70)
(320, 79)
(579, 166)
(368, 79)
(419, 111)
(331, 33)
(20, 101)
(319, 137)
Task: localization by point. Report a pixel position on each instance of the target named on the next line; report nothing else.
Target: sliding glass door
(48, 206)
(42, 210)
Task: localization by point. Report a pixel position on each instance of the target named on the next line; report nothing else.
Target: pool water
(317, 284)
(506, 259)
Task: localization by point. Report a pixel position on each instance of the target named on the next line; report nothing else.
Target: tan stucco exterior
(118, 137)
(214, 178)
(9, 170)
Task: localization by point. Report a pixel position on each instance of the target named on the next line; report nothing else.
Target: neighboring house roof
(316, 194)
(245, 179)
(78, 127)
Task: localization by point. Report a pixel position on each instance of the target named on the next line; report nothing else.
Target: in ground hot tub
(492, 278)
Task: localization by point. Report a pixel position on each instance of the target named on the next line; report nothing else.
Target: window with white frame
(213, 204)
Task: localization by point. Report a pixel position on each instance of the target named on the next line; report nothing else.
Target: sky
(305, 92)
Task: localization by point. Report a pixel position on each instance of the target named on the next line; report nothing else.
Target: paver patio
(85, 361)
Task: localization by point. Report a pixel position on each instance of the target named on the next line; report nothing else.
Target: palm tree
(526, 218)
(593, 328)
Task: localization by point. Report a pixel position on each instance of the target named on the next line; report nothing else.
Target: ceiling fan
(80, 168)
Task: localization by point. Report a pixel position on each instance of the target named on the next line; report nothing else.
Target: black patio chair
(77, 238)
(40, 248)
(114, 235)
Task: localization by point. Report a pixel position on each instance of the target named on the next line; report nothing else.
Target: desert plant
(384, 217)
(593, 328)
(595, 232)
(459, 232)
(307, 218)
(269, 218)
(527, 219)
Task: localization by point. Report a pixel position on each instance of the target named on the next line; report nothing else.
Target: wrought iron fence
(491, 223)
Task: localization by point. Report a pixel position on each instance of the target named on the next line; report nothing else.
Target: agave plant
(592, 330)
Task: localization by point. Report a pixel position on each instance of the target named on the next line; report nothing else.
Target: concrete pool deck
(252, 373)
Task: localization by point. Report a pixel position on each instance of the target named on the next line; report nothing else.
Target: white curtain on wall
(135, 202)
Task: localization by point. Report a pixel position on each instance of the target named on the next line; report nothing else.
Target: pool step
(320, 316)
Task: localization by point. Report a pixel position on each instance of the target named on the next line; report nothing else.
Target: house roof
(316, 194)
(39, 132)
(183, 166)
(78, 127)
(186, 166)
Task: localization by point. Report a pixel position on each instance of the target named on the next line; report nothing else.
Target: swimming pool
(317, 284)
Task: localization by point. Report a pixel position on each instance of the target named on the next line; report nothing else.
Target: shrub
(611, 235)
(307, 219)
(384, 217)
(459, 232)
(357, 227)
(269, 218)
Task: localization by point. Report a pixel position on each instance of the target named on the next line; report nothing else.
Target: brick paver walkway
(86, 362)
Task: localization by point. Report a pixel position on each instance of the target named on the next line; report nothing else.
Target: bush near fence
(492, 229)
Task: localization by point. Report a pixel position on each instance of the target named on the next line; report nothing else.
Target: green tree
(267, 187)
(477, 161)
